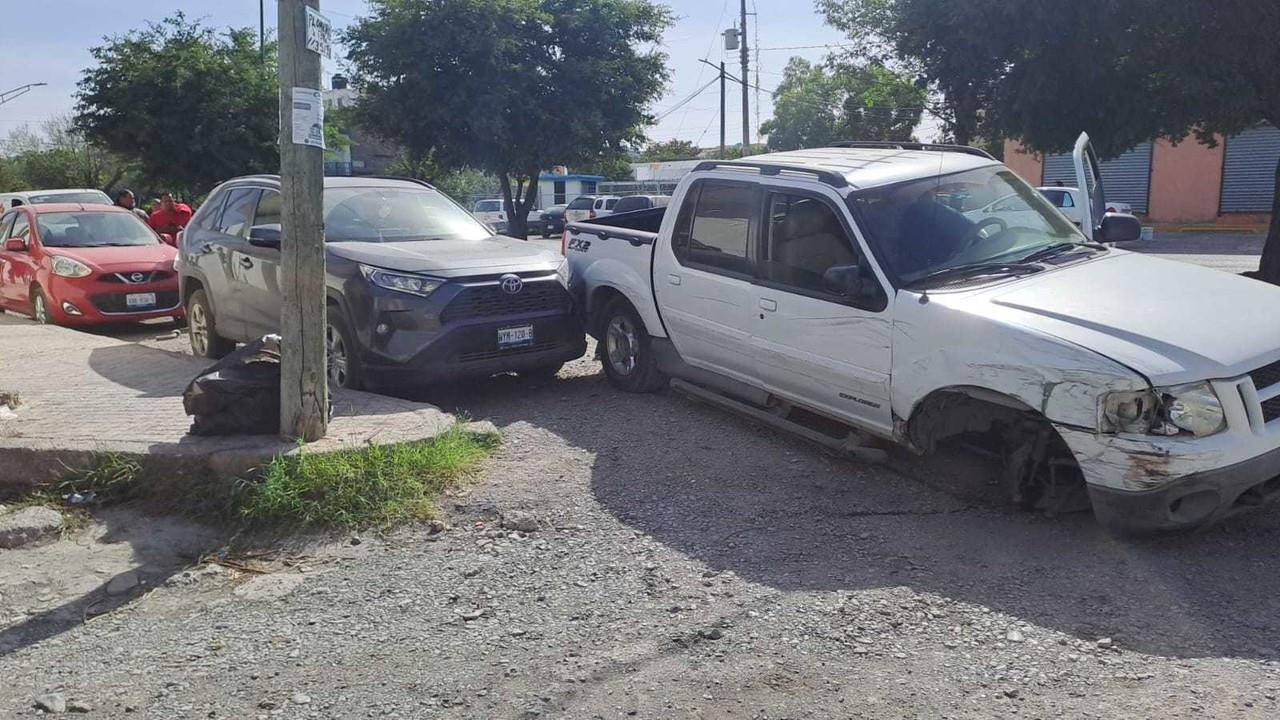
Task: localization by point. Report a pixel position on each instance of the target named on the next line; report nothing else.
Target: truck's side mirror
(844, 280)
(1120, 228)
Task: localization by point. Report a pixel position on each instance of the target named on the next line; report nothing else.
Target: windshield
(88, 197)
(582, 203)
(981, 216)
(93, 229)
(389, 214)
(489, 206)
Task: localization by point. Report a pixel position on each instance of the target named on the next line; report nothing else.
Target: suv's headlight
(401, 282)
(1193, 408)
(66, 267)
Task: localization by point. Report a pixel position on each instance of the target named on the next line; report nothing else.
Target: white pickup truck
(883, 287)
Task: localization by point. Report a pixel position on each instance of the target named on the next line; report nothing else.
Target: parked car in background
(79, 264)
(632, 203)
(588, 207)
(603, 206)
(419, 291)
(842, 283)
(1069, 201)
(552, 220)
(87, 196)
(490, 213)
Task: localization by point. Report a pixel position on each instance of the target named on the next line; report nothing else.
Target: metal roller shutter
(1249, 170)
(1127, 179)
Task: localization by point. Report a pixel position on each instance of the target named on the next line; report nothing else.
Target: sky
(53, 47)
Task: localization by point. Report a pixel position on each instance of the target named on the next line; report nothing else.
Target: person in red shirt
(171, 217)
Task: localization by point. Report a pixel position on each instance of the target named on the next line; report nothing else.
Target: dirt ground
(688, 564)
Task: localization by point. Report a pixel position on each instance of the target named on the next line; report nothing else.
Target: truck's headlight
(66, 267)
(401, 282)
(1194, 408)
(1128, 412)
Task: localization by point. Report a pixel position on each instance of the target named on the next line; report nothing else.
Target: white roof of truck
(872, 167)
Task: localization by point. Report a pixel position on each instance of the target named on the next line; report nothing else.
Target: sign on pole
(308, 117)
(319, 33)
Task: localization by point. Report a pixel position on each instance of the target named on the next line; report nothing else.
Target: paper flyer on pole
(308, 117)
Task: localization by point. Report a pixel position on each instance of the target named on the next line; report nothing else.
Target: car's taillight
(564, 243)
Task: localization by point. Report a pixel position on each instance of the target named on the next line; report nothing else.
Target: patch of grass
(370, 487)
(111, 477)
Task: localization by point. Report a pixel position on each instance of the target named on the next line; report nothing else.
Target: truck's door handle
(769, 305)
(206, 248)
(246, 263)
(673, 279)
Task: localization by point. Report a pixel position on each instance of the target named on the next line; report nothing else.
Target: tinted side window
(6, 225)
(609, 204)
(717, 228)
(805, 239)
(238, 213)
(210, 213)
(21, 227)
(582, 203)
(269, 208)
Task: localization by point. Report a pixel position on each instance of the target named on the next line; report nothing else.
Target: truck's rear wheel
(627, 350)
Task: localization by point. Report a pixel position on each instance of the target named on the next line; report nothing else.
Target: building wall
(1186, 182)
(1028, 165)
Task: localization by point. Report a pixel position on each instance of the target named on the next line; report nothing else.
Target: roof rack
(830, 177)
(930, 147)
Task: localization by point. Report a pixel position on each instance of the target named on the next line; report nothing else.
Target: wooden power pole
(304, 392)
(746, 103)
(722, 110)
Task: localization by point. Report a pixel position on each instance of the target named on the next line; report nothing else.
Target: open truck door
(1098, 224)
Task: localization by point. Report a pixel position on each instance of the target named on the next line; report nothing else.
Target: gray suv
(418, 290)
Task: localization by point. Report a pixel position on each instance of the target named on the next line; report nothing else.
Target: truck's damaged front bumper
(1149, 485)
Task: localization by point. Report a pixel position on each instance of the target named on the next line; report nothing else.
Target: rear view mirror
(15, 245)
(264, 236)
(1120, 228)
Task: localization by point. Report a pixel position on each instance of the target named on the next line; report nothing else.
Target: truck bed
(616, 252)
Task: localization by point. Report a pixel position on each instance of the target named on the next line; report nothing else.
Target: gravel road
(686, 563)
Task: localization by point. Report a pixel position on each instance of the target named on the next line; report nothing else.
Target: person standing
(126, 199)
(172, 215)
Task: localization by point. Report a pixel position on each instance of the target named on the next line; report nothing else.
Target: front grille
(488, 301)
(126, 278)
(1265, 377)
(116, 302)
(1270, 409)
(494, 354)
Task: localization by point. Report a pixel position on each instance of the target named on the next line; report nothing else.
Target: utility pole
(304, 392)
(262, 33)
(746, 105)
(722, 126)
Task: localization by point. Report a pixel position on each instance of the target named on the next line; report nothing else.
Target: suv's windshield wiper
(977, 270)
(1054, 250)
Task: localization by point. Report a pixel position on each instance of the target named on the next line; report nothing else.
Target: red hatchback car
(75, 264)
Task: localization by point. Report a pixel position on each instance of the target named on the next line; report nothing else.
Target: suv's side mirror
(15, 245)
(1120, 228)
(264, 236)
(844, 280)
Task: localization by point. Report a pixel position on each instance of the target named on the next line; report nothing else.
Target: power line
(807, 47)
(665, 113)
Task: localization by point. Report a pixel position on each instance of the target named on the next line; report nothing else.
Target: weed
(376, 486)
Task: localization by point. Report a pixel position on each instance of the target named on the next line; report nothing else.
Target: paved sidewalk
(85, 393)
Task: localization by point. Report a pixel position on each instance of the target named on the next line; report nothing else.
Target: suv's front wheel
(203, 331)
(341, 355)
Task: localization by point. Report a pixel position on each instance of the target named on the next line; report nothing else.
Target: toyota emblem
(137, 277)
(511, 284)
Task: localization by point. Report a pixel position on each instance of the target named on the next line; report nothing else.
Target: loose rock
(521, 521)
(52, 703)
(28, 525)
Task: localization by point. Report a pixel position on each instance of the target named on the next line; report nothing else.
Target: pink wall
(1028, 165)
(1186, 182)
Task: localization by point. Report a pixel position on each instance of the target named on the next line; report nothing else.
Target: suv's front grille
(1270, 409)
(487, 301)
(1266, 376)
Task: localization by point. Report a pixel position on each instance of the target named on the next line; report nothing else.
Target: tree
(189, 106)
(669, 150)
(512, 87)
(58, 156)
(814, 105)
(1123, 71)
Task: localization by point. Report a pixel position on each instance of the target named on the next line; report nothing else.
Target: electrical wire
(666, 113)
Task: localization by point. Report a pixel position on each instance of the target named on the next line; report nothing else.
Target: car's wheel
(202, 329)
(341, 356)
(40, 307)
(627, 353)
(542, 372)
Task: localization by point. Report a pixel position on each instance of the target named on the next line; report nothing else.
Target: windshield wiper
(978, 270)
(1057, 249)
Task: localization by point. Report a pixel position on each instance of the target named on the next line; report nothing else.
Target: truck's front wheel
(627, 350)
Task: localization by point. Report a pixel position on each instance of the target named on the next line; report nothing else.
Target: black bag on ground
(240, 394)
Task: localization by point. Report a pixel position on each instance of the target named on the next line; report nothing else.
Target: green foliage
(56, 156)
(669, 150)
(815, 105)
(376, 486)
(614, 167)
(111, 477)
(734, 152)
(188, 105)
(513, 86)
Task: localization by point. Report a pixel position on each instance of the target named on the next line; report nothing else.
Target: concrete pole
(304, 392)
(746, 104)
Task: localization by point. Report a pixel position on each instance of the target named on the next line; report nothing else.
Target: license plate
(140, 300)
(515, 336)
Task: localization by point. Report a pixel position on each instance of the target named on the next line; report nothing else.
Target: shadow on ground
(780, 512)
